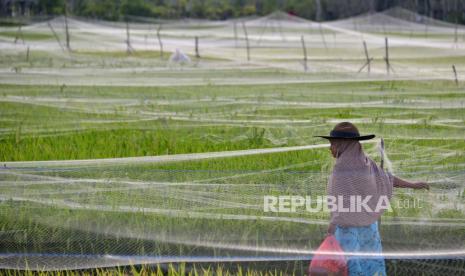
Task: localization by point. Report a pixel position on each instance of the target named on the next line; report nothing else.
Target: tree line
(318, 10)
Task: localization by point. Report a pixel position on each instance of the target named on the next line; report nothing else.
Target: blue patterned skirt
(364, 239)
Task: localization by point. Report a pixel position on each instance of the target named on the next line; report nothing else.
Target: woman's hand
(400, 183)
(421, 185)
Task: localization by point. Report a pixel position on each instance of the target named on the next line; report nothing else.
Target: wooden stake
(27, 54)
(68, 46)
(386, 58)
(304, 48)
(368, 61)
(197, 55)
(159, 40)
(67, 37)
(56, 36)
(129, 48)
(364, 65)
(455, 75)
(246, 41)
(367, 57)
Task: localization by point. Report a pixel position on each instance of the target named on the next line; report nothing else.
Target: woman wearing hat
(356, 175)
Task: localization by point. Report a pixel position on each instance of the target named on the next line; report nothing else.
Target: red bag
(328, 259)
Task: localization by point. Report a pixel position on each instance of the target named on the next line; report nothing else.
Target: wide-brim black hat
(346, 131)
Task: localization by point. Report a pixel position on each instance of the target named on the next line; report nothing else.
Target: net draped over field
(143, 161)
(105, 212)
(100, 214)
(334, 50)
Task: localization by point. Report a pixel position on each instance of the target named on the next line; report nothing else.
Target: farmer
(356, 176)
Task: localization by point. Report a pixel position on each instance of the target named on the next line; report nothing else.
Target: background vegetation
(320, 10)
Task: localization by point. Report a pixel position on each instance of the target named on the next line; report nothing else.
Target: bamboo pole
(386, 58)
(68, 46)
(197, 55)
(246, 41)
(129, 48)
(368, 59)
(455, 75)
(304, 48)
(367, 56)
(159, 40)
(56, 36)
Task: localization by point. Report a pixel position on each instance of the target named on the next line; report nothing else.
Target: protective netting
(399, 21)
(85, 215)
(208, 206)
(109, 52)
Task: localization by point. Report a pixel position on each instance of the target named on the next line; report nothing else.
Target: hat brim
(358, 138)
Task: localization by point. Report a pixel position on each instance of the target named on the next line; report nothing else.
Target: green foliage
(53, 7)
(224, 9)
(105, 9)
(137, 7)
(248, 10)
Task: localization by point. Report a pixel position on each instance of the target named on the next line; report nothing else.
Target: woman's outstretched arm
(401, 183)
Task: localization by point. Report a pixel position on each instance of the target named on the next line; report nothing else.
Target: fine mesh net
(103, 53)
(85, 215)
